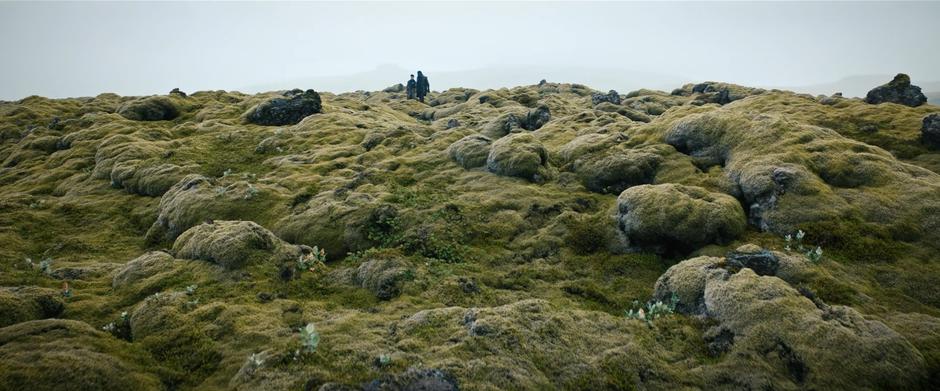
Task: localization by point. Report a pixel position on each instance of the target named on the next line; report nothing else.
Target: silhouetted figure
(423, 87)
(410, 89)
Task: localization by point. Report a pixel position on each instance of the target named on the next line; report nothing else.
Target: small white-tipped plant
(815, 255)
(227, 172)
(653, 310)
(191, 290)
(254, 362)
(788, 239)
(251, 192)
(45, 265)
(220, 191)
(385, 359)
(309, 339)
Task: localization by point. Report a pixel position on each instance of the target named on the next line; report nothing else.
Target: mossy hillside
(371, 178)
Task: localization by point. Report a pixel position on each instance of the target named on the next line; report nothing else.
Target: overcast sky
(82, 49)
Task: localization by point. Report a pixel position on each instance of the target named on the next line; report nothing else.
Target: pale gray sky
(82, 49)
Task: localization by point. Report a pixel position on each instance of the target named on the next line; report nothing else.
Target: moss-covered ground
(541, 264)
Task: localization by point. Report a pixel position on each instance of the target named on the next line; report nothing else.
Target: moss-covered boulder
(339, 223)
(471, 151)
(517, 119)
(136, 165)
(20, 304)
(154, 108)
(290, 109)
(139, 268)
(56, 354)
(519, 155)
(617, 169)
(195, 199)
(899, 90)
(802, 345)
(686, 281)
(670, 216)
(234, 244)
(383, 277)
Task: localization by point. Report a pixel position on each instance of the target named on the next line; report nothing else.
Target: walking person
(410, 89)
(423, 87)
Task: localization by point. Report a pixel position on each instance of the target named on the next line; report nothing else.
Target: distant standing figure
(410, 89)
(423, 86)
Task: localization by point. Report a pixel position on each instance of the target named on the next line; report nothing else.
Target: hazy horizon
(83, 49)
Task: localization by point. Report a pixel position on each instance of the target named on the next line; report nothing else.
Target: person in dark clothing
(423, 87)
(410, 89)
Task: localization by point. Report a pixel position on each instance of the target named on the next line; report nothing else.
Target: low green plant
(653, 310)
(252, 192)
(311, 261)
(384, 360)
(120, 328)
(309, 340)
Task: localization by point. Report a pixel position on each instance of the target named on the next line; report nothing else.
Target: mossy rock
(234, 244)
(294, 106)
(679, 217)
(471, 151)
(807, 346)
(519, 155)
(196, 199)
(383, 277)
(57, 354)
(142, 267)
(154, 108)
(21, 304)
(337, 223)
(616, 169)
(899, 90)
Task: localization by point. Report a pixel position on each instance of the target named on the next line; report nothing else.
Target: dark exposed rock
(899, 90)
(763, 262)
(930, 131)
(176, 91)
(611, 96)
(294, 107)
(536, 118)
(452, 123)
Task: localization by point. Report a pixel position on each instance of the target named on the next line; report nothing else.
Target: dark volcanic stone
(764, 263)
(898, 91)
(611, 96)
(930, 131)
(295, 106)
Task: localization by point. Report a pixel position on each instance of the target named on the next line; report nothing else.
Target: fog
(82, 49)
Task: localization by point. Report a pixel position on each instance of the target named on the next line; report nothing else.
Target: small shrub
(316, 259)
(120, 328)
